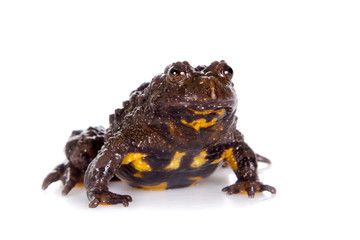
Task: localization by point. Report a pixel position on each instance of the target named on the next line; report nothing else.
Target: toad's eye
(229, 71)
(176, 74)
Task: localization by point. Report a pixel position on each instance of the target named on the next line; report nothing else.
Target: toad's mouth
(208, 105)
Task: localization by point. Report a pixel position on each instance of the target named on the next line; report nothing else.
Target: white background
(66, 65)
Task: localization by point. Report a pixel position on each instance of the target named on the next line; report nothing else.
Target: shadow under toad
(205, 195)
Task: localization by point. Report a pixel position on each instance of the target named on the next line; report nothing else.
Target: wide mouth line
(209, 106)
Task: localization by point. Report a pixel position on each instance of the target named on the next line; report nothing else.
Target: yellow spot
(138, 174)
(175, 161)
(136, 159)
(195, 179)
(229, 157)
(171, 127)
(161, 186)
(218, 160)
(200, 123)
(199, 160)
(220, 112)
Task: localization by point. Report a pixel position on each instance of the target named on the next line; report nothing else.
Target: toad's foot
(107, 197)
(67, 173)
(251, 187)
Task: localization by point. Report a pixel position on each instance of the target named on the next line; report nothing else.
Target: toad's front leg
(243, 161)
(100, 171)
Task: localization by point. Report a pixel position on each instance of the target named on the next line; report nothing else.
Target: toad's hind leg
(81, 148)
(67, 173)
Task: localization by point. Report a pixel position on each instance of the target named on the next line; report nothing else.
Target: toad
(173, 132)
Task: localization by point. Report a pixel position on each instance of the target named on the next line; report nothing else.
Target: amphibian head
(193, 104)
(200, 88)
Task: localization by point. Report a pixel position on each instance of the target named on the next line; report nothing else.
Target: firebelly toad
(172, 133)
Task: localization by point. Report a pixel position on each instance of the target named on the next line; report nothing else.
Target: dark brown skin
(172, 133)
(81, 148)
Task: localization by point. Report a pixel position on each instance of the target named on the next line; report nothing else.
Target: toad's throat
(202, 122)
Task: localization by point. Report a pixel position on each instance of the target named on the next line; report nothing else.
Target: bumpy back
(117, 118)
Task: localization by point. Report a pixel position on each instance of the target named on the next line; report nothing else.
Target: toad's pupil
(229, 71)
